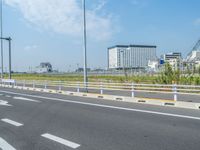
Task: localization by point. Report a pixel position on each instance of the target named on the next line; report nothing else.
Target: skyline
(43, 33)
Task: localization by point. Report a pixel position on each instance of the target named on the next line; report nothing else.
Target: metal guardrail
(102, 86)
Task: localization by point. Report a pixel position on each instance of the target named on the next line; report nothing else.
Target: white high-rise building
(130, 56)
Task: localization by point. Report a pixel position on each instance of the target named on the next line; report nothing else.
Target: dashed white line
(25, 99)
(8, 96)
(5, 146)
(61, 140)
(14, 123)
(4, 103)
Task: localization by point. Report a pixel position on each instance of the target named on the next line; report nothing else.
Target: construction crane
(197, 46)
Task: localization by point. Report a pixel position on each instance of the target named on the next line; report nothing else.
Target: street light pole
(10, 75)
(1, 39)
(85, 45)
(9, 42)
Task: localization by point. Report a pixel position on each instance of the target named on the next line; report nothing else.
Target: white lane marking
(8, 96)
(61, 140)
(4, 103)
(5, 146)
(25, 99)
(107, 106)
(1, 94)
(12, 122)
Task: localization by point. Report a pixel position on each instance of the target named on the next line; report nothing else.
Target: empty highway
(41, 121)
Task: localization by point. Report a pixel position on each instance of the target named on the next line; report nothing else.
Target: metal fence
(101, 87)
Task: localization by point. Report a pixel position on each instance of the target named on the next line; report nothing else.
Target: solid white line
(12, 122)
(25, 99)
(61, 140)
(5, 146)
(107, 106)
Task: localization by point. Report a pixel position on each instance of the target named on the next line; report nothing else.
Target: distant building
(174, 59)
(130, 56)
(82, 69)
(44, 67)
(170, 56)
(176, 64)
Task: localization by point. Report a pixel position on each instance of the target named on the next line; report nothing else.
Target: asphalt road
(41, 121)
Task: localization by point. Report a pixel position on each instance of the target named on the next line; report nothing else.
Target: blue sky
(50, 30)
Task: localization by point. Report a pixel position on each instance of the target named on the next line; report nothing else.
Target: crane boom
(197, 46)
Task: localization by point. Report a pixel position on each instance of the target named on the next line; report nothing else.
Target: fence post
(45, 85)
(60, 88)
(24, 84)
(133, 91)
(175, 92)
(78, 87)
(101, 88)
(34, 84)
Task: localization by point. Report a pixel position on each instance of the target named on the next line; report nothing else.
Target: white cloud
(65, 17)
(197, 22)
(30, 47)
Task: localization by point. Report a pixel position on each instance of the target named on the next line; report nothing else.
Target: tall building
(130, 56)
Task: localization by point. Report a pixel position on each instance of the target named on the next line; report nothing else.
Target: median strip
(61, 140)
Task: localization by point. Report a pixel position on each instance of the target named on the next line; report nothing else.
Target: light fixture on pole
(85, 45)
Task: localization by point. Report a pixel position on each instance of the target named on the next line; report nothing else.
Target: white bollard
(34, 84)
(60, 88)
(133, 91)
(101, 88)
(45, 85)
(175, 92)
(24, 84)
(78, 87)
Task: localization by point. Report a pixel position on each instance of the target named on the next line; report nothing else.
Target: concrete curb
(168, 103)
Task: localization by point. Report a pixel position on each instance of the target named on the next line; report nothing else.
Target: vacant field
(148, 79)
(91, 78)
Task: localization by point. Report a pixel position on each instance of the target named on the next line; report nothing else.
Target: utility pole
(85, 46)
(1, 39)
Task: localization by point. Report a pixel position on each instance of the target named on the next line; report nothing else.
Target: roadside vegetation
(167, 76)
